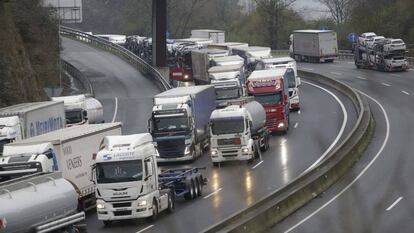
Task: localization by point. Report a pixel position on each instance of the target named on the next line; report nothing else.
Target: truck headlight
(187, 150)
(142, 203)
(245, 150)
(214, 153)
(186, 76)
(281, 125)
(100, 206)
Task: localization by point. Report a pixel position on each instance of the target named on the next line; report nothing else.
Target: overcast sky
(310, 9)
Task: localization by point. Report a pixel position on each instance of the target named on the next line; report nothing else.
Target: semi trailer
(201, 62)
(251, 55)
(129, 184)
(217, 36)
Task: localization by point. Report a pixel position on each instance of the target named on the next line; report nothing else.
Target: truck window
(73, 116)
(227, 126)
(269, 98)
(120, 171)
(171, 123)
(291, 78)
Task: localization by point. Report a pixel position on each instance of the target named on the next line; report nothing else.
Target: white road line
(360, 77)
(296, 125)
(359, 175)
(335, 73)
(396, 75)
(341, 131)
(386, 84)
(394, 204)
(283, 142)
(213, 193)
(304, 68)
(116, 109)
(299, 112)
(405, 92)
(146, 228)
(258, 164)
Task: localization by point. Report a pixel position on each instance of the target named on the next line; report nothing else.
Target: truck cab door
(149, 180)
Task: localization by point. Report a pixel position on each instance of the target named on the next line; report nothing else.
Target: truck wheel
(171, 204)
(199, 186)
(194, 186)
(107, 223)
(154, 210)
(190, 193)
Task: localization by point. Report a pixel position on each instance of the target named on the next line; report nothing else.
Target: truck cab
(126, 178)
(251, 55)
(27, 159)
(270, 88)
(291, 72)
(10, 130)
(75, 109)
(181, 63)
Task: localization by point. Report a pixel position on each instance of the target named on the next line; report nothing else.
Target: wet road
(233, 186)
(377, 195)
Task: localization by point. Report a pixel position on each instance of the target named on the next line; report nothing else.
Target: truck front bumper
(109, 211)
(230, 154)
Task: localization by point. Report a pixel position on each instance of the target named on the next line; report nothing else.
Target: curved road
(234, 186)
(377, 195)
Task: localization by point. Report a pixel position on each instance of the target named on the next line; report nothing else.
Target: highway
(377, 194)
(127, 97)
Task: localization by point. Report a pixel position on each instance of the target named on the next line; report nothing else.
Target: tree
(271, 12)
(340, 10)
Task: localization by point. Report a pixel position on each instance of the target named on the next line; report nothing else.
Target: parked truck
(251, 55)
(314, 46)
(229, 83)
(43, 202)
(217, 36)
(26, 120)
(179, 122)
(238, 132)
(270, 88)
(201, 62)
(291, 72)
(129, 184)
(68, 150)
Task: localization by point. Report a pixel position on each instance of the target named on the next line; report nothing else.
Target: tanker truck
(43, 202)
(238, 132)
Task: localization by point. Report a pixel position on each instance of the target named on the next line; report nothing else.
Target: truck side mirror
(299, 81)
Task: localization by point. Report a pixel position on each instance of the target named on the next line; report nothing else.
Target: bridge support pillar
(159, 31)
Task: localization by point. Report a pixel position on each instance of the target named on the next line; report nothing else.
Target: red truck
(270, 88)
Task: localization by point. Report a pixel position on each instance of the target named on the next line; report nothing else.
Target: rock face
(28, 52)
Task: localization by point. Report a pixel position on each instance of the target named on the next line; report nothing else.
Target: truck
(292, 73)
(229, 83)
(180, 62)
(201, 62)
(251, 55)
(129, 184)
(227, 60)
(68, 150)
(217, 36)
(179, 122)
(270, 88)
(314, 46)
(238, 132)
(94, 110)
(227, 45)
(26, 120)
(379, 57)
(43, 202)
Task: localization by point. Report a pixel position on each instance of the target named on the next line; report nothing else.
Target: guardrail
(284, 201)
(78, 75)
(145, 68)
(343, 54)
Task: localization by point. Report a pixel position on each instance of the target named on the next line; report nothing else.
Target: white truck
(69, 150)
(129, 184)
(40, 203)
(26, 120)
(79, 107)
(217, 36)
(238, 132)
(314, 46)
(228, 82)
(228, 45)
(201, 62)
(252, 54)
(292, 73)
(227, 60)
(179, 122)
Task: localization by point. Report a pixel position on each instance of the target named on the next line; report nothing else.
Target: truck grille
(123, 213)
(224, 142)
(171, 148)
(229, 153)
(271, 123)
(119, 205)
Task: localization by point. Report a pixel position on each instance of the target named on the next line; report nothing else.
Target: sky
(310, 9)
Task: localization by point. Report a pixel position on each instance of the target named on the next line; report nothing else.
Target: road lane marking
(396, 75)
(116, 109)
(359, 175)
(386, 84)
(258, 164)
(360, 77)
(213, 193)
(299, 112)
(310, 69)
(283, 142)
(296, 125)
(146, 228)
(394, 204)
(405, 92)
(336, 73)
(341, 131)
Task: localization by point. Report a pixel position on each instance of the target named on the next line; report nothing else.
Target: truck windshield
(227, 93)
(290, 74)
(269, 98)
(227, 126)
(73, 117)
(171, 123)
(120, 171)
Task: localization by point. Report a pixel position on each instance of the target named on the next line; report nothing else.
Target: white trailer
(40, 203)
(94, 110)
(315, 45)
(75, 109)
(69, 150)
(228, 45)
(217, 36)
(252, 54)
(201, 62)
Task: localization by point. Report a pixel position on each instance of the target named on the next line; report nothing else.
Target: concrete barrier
(281, 203)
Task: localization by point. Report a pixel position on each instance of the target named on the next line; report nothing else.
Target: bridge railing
(78, 75)
(145, 68)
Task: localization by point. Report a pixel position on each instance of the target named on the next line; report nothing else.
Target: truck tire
(190, 187)
(154, 210)
(199, 186)
(171, 204)
(107, 223)
(194, 185)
